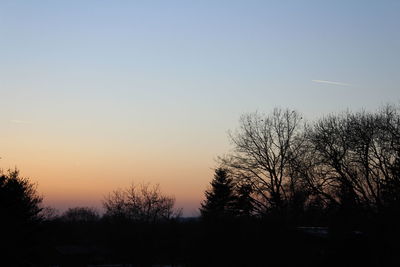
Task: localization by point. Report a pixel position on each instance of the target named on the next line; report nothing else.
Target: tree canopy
(142, 203)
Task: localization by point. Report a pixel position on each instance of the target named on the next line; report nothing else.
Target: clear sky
(98, 94)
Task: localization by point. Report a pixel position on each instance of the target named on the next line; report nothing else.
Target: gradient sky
(96, 95)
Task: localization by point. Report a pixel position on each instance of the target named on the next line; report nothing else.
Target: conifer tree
(243, 202)
(220, 198)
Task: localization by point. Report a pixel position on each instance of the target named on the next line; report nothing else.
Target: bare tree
(264, 148)
(354, 155)
(143, 203)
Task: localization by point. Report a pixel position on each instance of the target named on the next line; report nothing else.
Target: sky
(97, 95)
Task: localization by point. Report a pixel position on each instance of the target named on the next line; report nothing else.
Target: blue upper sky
(238, 55)
(154, 72)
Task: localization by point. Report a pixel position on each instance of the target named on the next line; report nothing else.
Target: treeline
(284, 166)
(140, 226)
(339, 174)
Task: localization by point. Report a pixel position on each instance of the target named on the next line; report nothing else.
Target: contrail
(330, 82)
(20, 122)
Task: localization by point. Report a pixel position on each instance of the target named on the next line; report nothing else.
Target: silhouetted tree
(354, 158)
(49, 213)
(20, 213)
(81, 214)
(264, 149)
(243, 203)
(19, 201)
(220, 198)
(143, 203)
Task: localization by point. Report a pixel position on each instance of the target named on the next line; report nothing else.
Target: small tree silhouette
(220, 198)
(81, 215)
(243, 204)
(143, 203)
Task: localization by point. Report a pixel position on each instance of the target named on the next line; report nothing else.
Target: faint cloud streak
(331, 82)
(20, 122)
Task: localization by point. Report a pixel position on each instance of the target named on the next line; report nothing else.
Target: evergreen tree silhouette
(220, 198)
(244, 206)
(20, 213)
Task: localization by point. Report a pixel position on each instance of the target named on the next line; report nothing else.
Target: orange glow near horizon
(73, 174)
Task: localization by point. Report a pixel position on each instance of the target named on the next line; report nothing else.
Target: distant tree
(81, 214)
(243, 204)
(49, 213)
(220, 198)
(143, 203)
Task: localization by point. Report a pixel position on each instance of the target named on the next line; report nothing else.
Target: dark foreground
(191, 242)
